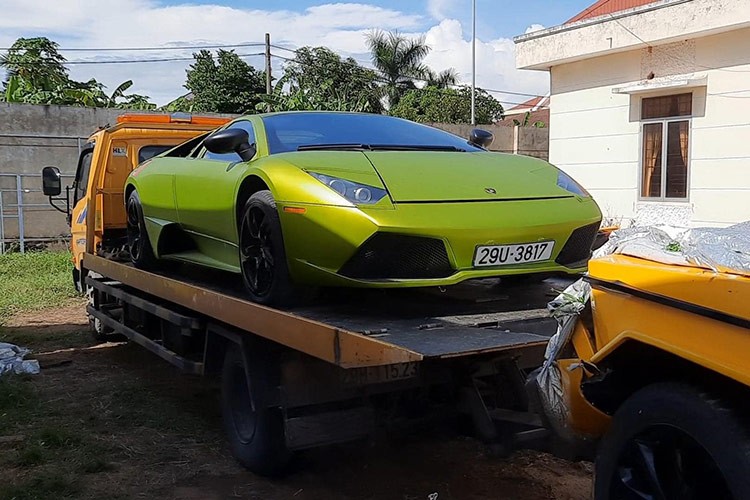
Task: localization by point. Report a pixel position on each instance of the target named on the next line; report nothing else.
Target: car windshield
(352, 131)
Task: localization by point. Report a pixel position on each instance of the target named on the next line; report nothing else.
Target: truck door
(205, 193)
(80, 203)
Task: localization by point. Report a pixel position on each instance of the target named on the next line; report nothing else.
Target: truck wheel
(262, 255)
(96, 327)
(257, 437)
(141, 253)
(670, 441)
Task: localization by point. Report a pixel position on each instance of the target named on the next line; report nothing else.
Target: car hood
(424, 176)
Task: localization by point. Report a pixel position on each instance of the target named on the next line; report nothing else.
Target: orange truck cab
(97, 219)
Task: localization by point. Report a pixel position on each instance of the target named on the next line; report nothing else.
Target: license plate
(503, 255)
(380, 374)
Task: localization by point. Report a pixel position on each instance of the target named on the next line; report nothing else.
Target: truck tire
(98, 330)
(265, 273)
(671, 441)
(141, 252)
(257, 437)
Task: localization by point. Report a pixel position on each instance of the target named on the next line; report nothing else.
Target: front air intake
(396, 256)
(577, 250)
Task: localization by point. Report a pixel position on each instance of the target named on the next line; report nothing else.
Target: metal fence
(22, 202)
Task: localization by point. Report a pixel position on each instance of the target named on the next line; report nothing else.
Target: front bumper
(431, 244)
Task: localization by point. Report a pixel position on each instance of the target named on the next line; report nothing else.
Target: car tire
(672, 441)
(257, 437)
(141, 252)
(265, 272)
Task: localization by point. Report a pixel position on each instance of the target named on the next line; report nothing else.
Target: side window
(242, 124)
(148, 152)
(82, 175)
(188, 148)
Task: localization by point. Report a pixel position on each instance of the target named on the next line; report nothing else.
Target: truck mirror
(51, 185)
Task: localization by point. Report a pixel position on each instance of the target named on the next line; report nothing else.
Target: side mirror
(481, 138)
(231, 140)
(51, 184)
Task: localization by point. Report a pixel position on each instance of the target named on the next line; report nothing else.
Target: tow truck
(329, 371)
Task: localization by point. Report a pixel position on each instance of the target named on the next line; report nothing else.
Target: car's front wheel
(262, 254)
(141, 253)
(671, 441)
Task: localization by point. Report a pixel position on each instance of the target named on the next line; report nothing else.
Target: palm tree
(441, 80)
(398, 60)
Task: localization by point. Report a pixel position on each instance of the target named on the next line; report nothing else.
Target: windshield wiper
(414, 147)
(332, 147)
(377, 147)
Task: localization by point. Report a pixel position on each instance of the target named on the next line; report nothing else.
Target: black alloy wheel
(673, 441)
(257, 252)
(664, 462)
(139, 246)
(262, 255)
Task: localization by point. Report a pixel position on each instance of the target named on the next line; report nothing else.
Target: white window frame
(664, 143)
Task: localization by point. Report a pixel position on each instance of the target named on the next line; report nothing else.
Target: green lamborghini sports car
(346, 199)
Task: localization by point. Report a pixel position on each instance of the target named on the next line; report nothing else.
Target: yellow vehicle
(98, 220)
(659, 378)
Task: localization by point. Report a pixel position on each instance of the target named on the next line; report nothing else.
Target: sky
(446, 25)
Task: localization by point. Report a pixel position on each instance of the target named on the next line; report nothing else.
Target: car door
(205, 192)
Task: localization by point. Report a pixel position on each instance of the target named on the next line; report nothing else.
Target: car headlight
(359, 194)
(567, 183)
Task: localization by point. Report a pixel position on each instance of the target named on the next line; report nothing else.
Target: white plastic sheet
(565, 308)
(11, 360)
(724, 250)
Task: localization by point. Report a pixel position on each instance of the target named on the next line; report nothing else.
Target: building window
(666, 132)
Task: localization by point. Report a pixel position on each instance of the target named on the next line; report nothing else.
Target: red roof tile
(540, 115)
(603, 7)
(528, 104)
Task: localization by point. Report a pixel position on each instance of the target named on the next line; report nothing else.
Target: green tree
(526, 122)
(36, 74)
(226, 84)
(36, 62)
(447, 105)
(444, 79)
(320, 79)
(398, 59)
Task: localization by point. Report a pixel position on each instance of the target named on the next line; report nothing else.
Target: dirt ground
(114, 421)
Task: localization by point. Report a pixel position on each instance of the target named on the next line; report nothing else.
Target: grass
(34, 280)
(51, 455)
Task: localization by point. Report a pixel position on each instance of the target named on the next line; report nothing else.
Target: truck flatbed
(361, 328)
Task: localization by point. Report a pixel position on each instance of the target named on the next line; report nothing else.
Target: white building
(650, 107)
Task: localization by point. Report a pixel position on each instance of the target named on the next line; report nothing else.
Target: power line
(132, 61)
(171, 47)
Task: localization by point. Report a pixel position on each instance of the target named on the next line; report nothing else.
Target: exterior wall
(656, 23)
(596, 133)
(32, 137)
(530, 141)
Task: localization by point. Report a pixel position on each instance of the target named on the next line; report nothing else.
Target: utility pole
(268, 69)
(473, 60)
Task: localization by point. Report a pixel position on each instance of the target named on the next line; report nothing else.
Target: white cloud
(534, 27)
(496, 65)
(147, 23)
(440, 9)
